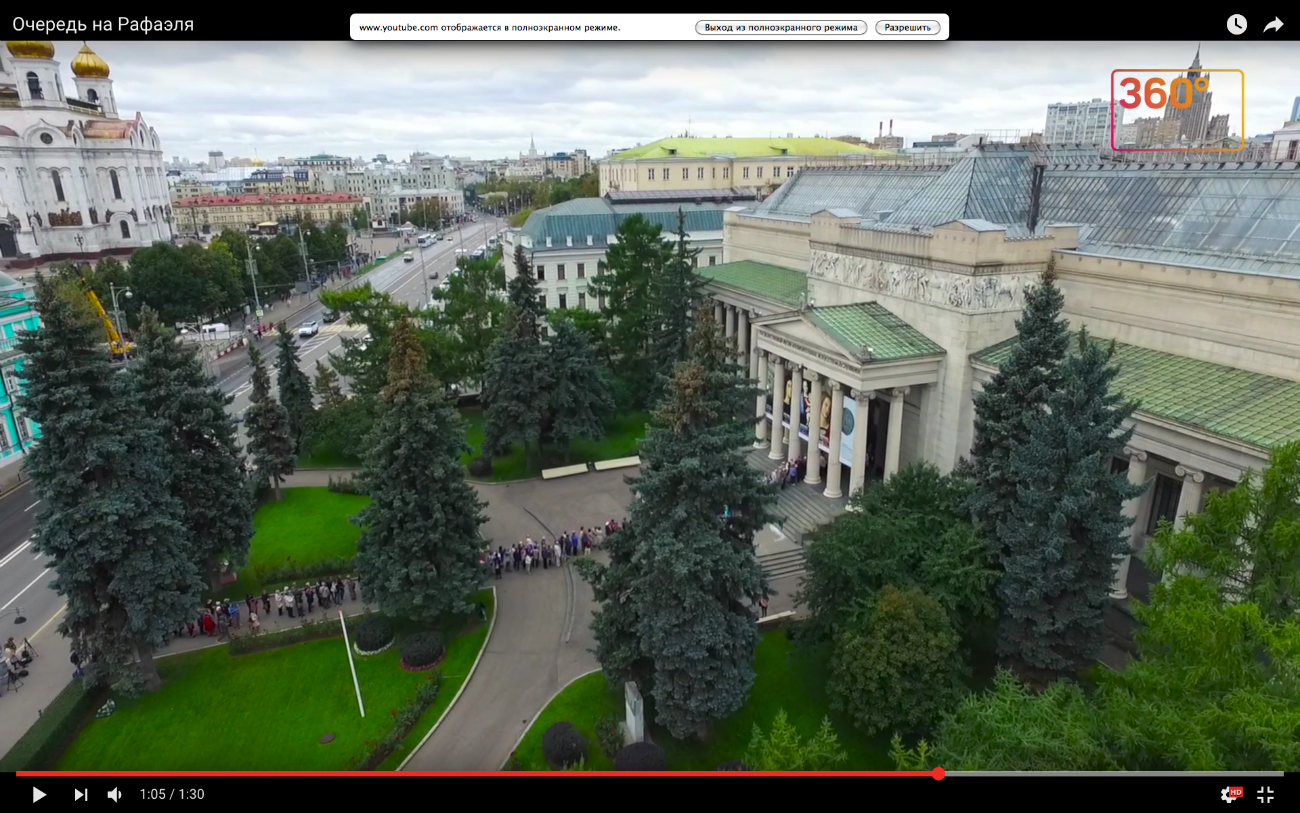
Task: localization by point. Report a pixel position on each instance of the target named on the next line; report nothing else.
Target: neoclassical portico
(852, 377)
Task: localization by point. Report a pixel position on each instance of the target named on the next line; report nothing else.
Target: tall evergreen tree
(294, 385)
(678, 595)
(326, 386)
(624, 285)
(208, 477)
(676, 294)
(1019, 389)
(1066, 528)
(580, 396)
(518, 380)
(270, 437)
(108, 519)
(419, 549)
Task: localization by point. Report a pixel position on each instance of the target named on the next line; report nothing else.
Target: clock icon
(1236, 25)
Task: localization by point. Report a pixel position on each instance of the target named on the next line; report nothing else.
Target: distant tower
(216, 160)
(93, 84)
(1194, 119)
(532, 147)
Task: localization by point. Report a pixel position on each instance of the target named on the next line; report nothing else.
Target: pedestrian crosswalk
(342, 327)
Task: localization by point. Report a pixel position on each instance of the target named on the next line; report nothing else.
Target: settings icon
(1232, 793)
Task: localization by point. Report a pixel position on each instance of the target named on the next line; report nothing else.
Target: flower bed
(403, 721)
(423, 651)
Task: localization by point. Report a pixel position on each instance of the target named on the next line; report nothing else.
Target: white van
(425, 240)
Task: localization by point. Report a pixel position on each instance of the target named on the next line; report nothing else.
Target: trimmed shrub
(564, 746)
(345, 485)
(423, 650)
(291, 572)
(374, 635)
(734, 765)
(609, 735)
(44, 743)
(480, 467)
(641, 756)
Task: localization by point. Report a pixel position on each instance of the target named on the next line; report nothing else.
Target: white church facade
(77, 181)
(887, 296)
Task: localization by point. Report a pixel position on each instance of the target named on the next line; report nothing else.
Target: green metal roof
(868, 327)
(599, 218)
(771, 282)
(1248, 407)
(742, 148)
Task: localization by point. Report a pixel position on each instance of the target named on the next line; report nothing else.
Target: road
(24, 578)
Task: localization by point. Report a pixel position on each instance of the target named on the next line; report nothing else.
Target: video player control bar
(474, 27)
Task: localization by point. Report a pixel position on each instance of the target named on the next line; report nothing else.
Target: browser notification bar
(640, 27)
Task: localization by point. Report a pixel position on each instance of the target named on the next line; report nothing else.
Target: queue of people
(527, 555)
(217, 618)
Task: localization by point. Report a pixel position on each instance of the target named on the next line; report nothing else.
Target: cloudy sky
(289, 98)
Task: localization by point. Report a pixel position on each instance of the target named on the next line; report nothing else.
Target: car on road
(308, 329)
(433, 275)
(329, 317)
(409, 257)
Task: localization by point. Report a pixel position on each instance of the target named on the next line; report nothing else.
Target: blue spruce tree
(108, 520)
(1066, 529)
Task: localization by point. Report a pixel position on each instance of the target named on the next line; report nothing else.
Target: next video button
(907, 28)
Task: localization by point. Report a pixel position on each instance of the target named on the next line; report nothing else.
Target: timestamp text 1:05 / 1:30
(171, 794)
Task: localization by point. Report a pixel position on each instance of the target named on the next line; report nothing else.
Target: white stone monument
(634, 726)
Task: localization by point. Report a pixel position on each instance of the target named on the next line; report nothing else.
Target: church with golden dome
(77, 180)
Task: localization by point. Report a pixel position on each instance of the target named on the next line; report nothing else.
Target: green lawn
(623, 433)
(267, 711)
(308, 525)
(787, 678)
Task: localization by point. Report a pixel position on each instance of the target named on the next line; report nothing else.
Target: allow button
(907, 28)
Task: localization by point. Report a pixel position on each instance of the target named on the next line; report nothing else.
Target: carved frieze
(945, 288)
(65, 218)
(825, 358)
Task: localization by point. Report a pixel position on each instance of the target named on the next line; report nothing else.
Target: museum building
(77, 181)
(887, 296)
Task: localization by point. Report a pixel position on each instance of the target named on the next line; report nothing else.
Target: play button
(80, 795)
(37, 794)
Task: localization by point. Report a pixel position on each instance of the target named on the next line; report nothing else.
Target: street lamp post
(117, 315)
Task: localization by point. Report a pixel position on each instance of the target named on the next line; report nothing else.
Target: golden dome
(87, 65)
(32, 49)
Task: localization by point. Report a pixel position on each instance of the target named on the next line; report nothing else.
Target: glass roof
(1245, 212)
(1242, 217)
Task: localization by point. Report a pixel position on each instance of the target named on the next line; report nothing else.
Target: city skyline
(215, 96)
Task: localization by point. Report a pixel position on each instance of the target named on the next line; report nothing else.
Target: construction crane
(117, 346)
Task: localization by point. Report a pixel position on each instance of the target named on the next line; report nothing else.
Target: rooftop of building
(742, 148)
(1234, 216)
(261, 200)
(598, 218)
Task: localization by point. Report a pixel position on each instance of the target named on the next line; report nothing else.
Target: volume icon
(114, 794)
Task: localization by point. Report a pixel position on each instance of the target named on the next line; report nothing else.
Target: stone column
(760, 410)
(858, 473)
(833, 464)
(755, 357)
(719, 313)
(894, 442)
(729, 323)
(1137, 475)
(814, 430)
(1189, 500)
(796, 399)
(778, 397)
(742, 338)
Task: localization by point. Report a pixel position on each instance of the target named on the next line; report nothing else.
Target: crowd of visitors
(218, 618)
(525, 556)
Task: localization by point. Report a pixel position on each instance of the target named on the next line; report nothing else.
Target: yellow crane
(116, 344)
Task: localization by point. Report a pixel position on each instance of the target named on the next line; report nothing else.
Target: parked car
(308, 329)
(330, 317)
